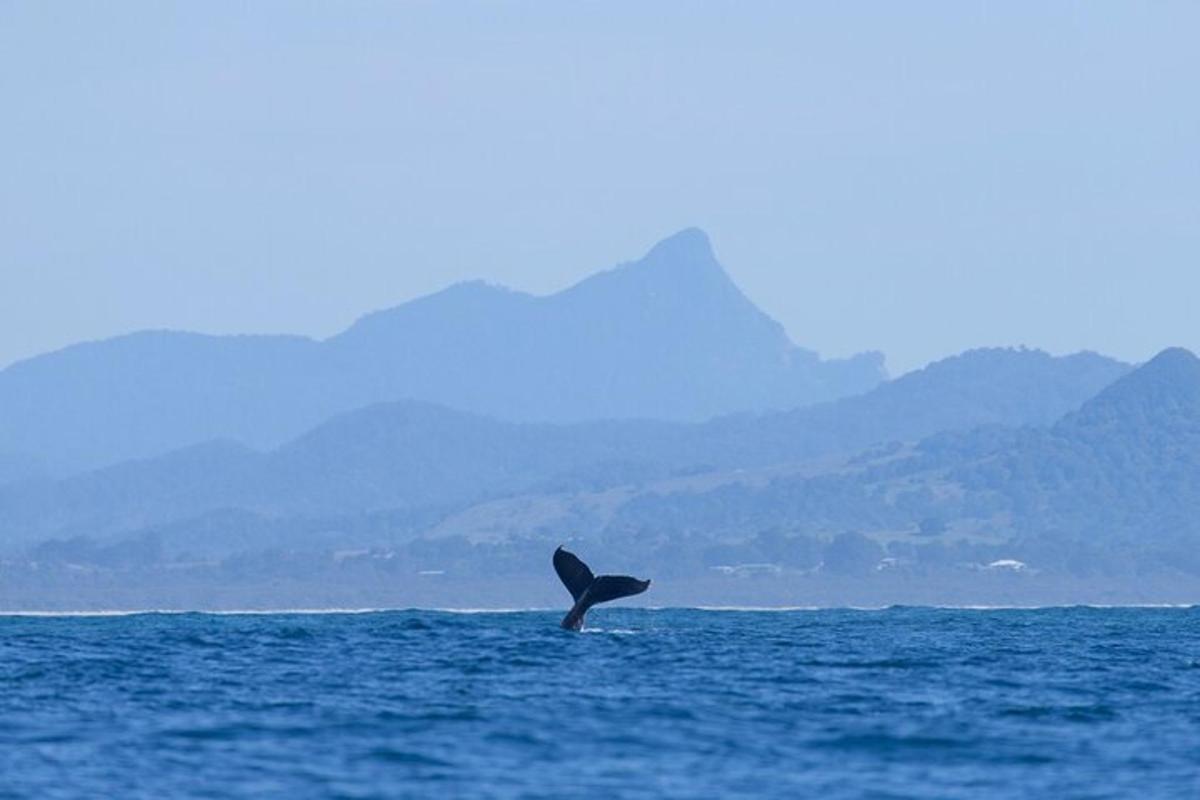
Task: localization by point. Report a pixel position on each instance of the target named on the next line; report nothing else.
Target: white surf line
(250, 612)
(710, 609)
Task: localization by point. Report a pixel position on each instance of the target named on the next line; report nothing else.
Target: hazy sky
(914, 178)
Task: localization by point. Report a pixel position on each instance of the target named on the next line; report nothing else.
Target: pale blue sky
(914, 178)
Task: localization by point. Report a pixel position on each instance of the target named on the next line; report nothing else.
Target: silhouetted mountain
(667, 337)
(143, 394)
(410, 455)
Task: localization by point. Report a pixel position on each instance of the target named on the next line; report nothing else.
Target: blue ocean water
(903, 702)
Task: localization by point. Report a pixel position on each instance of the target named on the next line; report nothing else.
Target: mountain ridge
(1007, 513)
(634, 341)
(414, 454)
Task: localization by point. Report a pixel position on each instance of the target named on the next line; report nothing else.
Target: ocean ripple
(903, 702)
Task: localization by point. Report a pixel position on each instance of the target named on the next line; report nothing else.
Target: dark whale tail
(587, 590)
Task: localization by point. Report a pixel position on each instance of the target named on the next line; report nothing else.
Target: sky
(914, 178)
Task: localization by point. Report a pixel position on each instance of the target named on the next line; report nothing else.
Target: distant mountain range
(669, 337)
(650, 411)
(1112, 488)
(1030, 492)
(410, 456)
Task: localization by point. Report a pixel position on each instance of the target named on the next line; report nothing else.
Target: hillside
(1111, 488)
(1099, 507)
(1125, 466)
(407, 456)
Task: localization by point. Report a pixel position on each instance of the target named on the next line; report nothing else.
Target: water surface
(922, 703)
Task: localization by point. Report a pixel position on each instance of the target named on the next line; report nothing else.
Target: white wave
(239, 612)
(1058, 606)
(1051, 606)
(534, 609)
(123, 613)
(486, 610)
(755, 609)
(184, 611)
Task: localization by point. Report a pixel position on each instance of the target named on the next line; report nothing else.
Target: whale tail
(587, 590)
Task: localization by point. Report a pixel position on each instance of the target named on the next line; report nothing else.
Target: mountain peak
(680, 265)
(1174, 371)
(689, 245)
(1175, 360)
(1163, 393)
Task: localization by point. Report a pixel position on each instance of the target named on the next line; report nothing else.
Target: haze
(916, 179)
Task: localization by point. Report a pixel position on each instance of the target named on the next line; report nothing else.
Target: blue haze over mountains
(667, 337)
(436, 452)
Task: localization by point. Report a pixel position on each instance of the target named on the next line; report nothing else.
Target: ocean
(890, 703)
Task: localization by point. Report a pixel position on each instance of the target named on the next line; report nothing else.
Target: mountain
(1155, 409)
(1112, 488)
(410, 455)
(667, 337)
(398, 499)
(140, 395)
(399, 455)
(1126, 465)
(988, 386)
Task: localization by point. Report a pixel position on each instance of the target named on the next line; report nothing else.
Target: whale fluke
(587, 590)
(574, 574)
